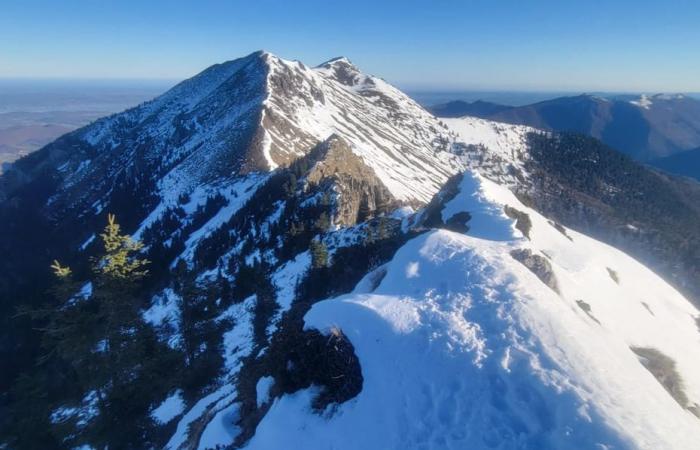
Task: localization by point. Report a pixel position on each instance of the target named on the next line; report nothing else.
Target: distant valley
(34, 113)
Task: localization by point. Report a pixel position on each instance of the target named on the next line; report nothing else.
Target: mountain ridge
(645, 127)
(301, 224)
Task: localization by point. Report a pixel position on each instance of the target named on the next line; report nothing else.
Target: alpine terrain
(271, 255)
(646, 127)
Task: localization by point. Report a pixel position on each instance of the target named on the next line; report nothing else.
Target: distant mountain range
(645, 127)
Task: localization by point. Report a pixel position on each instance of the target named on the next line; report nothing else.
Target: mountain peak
(343, 71)
(259, 55)
(336, 61)
(264, 58)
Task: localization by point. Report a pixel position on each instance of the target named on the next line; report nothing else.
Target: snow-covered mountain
(255, 114)
(646, 127)
(448, 308)
(465, 344)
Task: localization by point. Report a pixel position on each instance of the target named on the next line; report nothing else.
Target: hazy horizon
(107, 94)
(637, 46)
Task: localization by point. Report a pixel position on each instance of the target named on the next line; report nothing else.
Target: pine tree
(319, 254)
(189, 299)
(116, 279)
(323, 222)
(383, 231)
(70, 333)
(290, 186)
(364, 212)
(370, 236)
(100, 334)
(377, 230)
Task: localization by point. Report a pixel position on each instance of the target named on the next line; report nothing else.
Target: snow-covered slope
(496, 150)
(506, 335)
(462, 346)
(406, 146)
(253, 114)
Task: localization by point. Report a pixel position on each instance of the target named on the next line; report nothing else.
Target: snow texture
(169, 409)
(82, 414)
(472, 350)
(164, 315)
(643, 102)
(223, 394)
(238, 340)
(262, 390)
(285, 281)
(221, 431)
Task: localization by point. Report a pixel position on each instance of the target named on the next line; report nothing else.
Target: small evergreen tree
(290, 186)
(383, 231)
(98, 331)
(319, 254)
(323, 223)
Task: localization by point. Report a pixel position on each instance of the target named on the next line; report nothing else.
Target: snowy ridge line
(543, 371)
(504, 334)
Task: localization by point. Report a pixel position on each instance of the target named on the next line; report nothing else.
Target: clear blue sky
(614, 45)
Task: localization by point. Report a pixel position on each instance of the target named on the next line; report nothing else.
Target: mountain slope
(482, 354)
(189, 174)
(255, 113)
(260, 189)
(686, 163)
(645, 127)
(587, 186)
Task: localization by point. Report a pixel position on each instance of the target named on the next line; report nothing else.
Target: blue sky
(614, 45)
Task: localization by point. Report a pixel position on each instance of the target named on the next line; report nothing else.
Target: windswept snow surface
(164, 314)
(488, 220)
(505, 140)
(262, 390)
(503, 147)
(461, 346)
(238, 340)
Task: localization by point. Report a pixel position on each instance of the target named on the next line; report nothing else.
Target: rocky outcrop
(537, 265)
(359, 194)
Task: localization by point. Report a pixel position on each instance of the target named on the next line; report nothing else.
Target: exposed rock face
(304, 106)
(432, 215)
(664, 370)
(537, 265)
(522, 220)
(359, 194)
